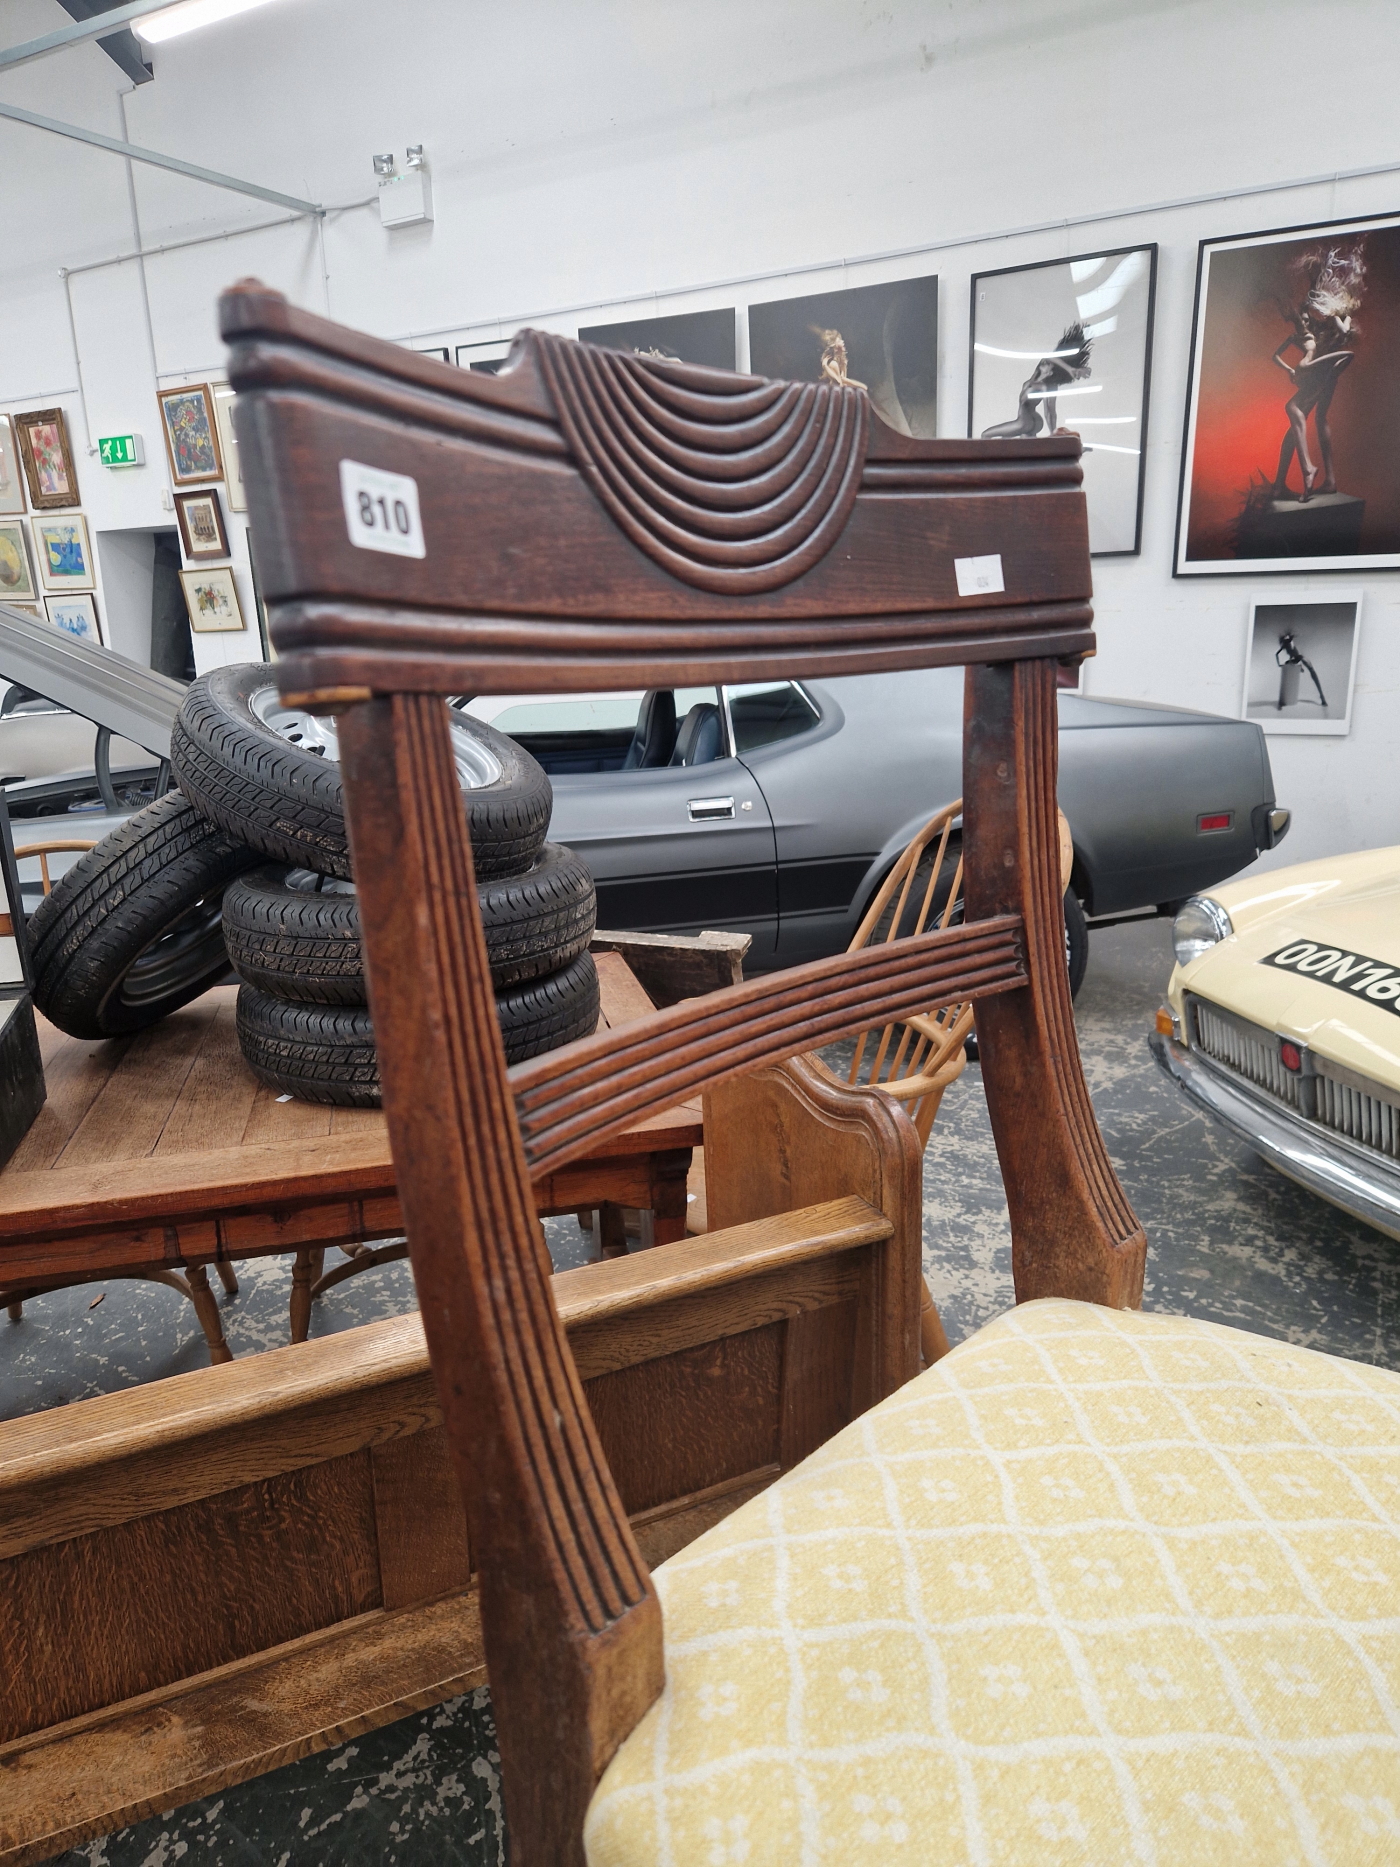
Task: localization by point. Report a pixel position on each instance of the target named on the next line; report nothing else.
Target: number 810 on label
(381, 510)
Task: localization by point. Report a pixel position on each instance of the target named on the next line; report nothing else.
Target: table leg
(226, 1276)
(612, 1231)
(669, 1195)
(310, 1261)
(207, 1310)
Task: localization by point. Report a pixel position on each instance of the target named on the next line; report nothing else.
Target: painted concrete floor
(1230, 1240)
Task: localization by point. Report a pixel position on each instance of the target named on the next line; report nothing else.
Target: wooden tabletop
(172, 1124)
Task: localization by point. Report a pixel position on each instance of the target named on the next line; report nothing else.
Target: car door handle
(710, 809)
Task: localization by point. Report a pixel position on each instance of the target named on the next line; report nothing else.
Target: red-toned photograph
(1290, 460)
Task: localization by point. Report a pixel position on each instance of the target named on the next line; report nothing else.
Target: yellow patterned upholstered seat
(1098, 1587)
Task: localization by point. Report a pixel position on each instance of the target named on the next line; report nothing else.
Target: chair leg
(207, 1310)
(226, 1277)
(15, 1311)
(310, 1261)
(933, 1341)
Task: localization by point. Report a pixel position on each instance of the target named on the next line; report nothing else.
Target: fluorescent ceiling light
(1102, 447)
(1104, 421)
(188, 16)
(1053, 395)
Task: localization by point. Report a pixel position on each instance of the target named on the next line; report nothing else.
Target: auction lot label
(1371, 979)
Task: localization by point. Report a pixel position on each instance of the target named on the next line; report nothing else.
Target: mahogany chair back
(584, 520)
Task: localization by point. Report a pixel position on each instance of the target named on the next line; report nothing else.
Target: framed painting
(1289, 460)
(883, 337)
(1066, 347)
(75, 615)
(228, 446)
(488, 358)
(11, 474)
(16, 572)
(64, 551)
(191, 433)
(201, 521)
(688, 337)
(1300, 662)
(211, 597)
(47, 459)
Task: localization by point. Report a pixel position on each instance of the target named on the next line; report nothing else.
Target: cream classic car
(1283, 1020)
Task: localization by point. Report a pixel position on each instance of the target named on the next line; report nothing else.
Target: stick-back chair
(588, 519)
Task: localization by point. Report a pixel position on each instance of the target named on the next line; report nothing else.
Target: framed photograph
(487, 358)
(689, 337)
(47, 459)
(202, 534)
(32, 610)
(883, 337)
(64, 552)
(16, 572)
(75, 615)
(11, 474)
(228, 446)
(1289, 461)
(211, 596)
(1300, 662)
(191, 434)
(1066, 346)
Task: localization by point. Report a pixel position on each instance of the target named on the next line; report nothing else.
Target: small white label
(381, 510)
(976, 576)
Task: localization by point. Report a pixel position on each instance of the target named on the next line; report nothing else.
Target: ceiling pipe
(134, 153)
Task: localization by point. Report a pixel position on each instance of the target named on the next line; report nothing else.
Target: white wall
(610, 159)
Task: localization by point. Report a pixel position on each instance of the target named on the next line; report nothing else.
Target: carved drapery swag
(732, 484)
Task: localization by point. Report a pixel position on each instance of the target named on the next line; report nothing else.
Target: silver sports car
(775, 809)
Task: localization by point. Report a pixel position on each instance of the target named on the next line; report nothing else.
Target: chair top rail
(589, 518)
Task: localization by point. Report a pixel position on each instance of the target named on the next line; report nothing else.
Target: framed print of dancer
(1323, 333)
(1036, 411)
(1092, 379)
(1319, 489)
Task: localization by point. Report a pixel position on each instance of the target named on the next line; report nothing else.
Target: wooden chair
(588, 519)
(917, 1057)
(63, 846)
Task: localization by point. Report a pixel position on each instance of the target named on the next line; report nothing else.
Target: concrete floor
(1230, 1240)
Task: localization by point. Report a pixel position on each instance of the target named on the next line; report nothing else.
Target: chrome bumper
(1327, 1164)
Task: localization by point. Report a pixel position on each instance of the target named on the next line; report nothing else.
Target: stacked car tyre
(249, 863)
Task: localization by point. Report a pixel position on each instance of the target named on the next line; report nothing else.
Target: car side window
(619, 731)
(567, 733)
(764, 712)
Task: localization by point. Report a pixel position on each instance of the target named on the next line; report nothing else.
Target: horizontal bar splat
(562, 1116)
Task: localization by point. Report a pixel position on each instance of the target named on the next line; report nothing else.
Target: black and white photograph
(486, 358)
(688, 337)
(881, 338)
(1300, 664)
(1066, 347)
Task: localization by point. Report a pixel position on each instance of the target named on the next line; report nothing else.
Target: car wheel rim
(477, 765)
(186, 951)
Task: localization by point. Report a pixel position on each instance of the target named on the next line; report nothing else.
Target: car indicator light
(1216, 820)
(1164, 1023)
(1290, 1057)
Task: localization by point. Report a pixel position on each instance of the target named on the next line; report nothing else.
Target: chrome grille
(1355, 1112)
(1247, 1049)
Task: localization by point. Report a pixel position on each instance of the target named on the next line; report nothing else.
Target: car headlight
(1201, 924)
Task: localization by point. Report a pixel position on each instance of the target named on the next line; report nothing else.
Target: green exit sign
(121, 450)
